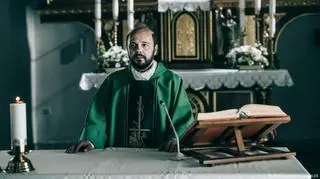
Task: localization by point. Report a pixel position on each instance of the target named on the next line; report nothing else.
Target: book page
(261, 110)
(219, 115)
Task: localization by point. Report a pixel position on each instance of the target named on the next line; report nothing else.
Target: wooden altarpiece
(215, 142)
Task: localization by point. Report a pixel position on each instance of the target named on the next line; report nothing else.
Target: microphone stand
(179, 155)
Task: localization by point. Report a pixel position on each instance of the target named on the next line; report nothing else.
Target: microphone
(179, 155)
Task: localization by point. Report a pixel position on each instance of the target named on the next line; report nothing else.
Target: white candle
(272, 22)
(115, 9)
(98, 29)
(130, 20)
(257, 6)
(272, 7)
(242, 21)
(97, 12)
(272, 26)
(242, 4)
(18, 119)
(97, 9)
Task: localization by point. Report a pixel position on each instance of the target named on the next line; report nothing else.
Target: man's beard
(144, 66)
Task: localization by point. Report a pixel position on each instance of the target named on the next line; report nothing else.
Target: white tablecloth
(180, 5)
(211, 78)
(123, 163)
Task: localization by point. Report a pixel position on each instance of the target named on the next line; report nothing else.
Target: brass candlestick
(116, 23)
(257, 19)
(271, 53)
(242, 36)
(19, 163)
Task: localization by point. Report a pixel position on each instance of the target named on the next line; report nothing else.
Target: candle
(18, 120)
(242, 21)
(97, 9)
(272, 26)
(130, 20)
(115, 9)
(257, 6)
(98, 28)
(97, 13)
(242, 15)
(272, 22)
(242, 4)
(272, 7)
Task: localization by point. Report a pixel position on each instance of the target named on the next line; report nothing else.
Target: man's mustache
(139, 56)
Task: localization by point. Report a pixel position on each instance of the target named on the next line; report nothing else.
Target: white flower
(248, 54)
(117, 65)
(114, 57)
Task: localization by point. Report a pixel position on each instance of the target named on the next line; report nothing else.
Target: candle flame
(18, 99)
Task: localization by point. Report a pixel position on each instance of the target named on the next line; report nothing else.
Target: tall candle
(257, 6)
(272, 22)
(272, 7)
(98, 28)
(115, 9)
(130, 9)
(272, 26)
(97, 12)
(18, 119)
(242, 4)
(97, 9)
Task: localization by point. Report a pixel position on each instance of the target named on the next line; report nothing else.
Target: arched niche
(185, 36)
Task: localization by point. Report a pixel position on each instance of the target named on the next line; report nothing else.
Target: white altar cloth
(180, 5)
(211, 78)
(121, 163)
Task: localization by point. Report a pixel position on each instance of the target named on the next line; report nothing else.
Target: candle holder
(257, 20)
(271, 53)
(115, 35)
(242, 36)
(19, 163)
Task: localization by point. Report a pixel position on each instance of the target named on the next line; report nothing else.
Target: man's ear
(155, 50)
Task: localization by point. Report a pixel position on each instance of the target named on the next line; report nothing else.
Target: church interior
(47, 46)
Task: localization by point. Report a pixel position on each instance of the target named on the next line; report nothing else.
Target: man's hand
(82, 146)
(170, 146)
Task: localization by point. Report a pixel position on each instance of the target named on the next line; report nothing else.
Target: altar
(217, 89)
(129, 163)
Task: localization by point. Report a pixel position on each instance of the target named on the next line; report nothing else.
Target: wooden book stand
(228, 141)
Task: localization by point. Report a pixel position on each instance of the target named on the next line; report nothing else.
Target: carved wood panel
(186, 38)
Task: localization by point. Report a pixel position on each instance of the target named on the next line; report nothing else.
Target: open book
(246, 111)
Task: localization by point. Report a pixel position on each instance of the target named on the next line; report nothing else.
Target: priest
(126, 110)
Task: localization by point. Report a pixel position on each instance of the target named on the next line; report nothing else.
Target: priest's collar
(146, 75)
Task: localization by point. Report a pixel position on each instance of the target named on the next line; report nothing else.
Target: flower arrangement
(114, 57)
(250, 55)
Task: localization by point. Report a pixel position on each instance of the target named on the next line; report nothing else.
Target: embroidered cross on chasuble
(141, 118)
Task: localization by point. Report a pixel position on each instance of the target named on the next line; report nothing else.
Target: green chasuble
(127, 113)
